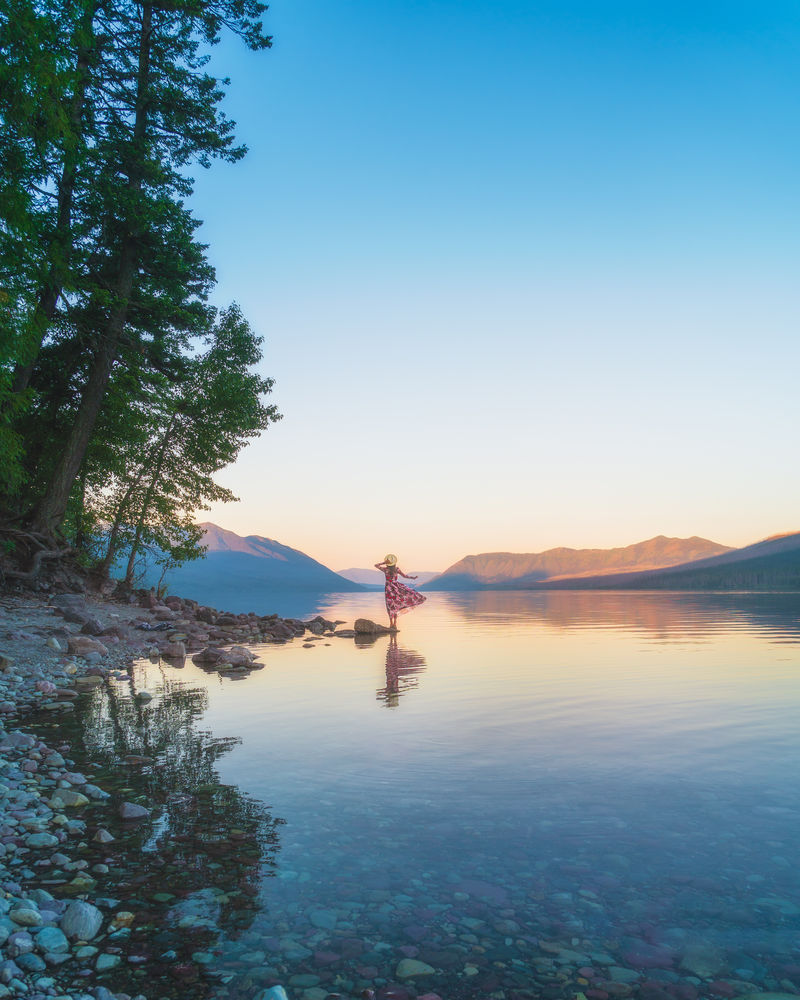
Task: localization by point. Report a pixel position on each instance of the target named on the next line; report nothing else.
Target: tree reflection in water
(192, 874)
(402, 666)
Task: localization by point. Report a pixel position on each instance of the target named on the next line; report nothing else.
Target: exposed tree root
(27, 547)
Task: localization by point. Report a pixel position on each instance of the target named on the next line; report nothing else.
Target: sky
(527, 274)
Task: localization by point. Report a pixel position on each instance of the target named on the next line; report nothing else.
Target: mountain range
(772, 564)
(255, 573)
(249, 573)
(510, 569)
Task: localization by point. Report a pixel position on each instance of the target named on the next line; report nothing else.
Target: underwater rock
(66, 797)
(324, 919)
(131, 811)
(702, 960)
(273, 993)
(410, 968)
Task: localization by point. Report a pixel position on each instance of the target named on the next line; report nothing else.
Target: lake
(526, 795)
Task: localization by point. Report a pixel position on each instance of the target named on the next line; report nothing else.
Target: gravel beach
(60, 934)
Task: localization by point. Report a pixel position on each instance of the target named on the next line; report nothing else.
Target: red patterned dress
(399, 597)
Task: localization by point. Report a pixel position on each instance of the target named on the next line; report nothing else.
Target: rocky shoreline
(60, 936)
(85, 915)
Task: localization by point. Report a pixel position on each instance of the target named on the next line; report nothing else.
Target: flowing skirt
(400, 598)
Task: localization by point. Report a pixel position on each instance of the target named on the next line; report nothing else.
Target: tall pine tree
(104, 107)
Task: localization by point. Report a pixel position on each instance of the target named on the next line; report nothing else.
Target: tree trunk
(59, 251)
(52, 507)
(105, 566)
(159, 465)
(113, 536)
(80, 517)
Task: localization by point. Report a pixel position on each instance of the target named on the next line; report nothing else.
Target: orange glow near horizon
(421, 547)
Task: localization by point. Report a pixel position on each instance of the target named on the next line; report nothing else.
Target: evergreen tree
(45, 55)
(164, 115)
(104, 107)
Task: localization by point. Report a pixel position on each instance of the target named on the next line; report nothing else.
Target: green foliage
(122, 392)
(182, 433)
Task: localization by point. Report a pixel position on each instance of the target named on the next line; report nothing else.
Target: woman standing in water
(399, 597)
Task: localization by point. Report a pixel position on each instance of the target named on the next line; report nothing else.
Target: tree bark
(52, 507)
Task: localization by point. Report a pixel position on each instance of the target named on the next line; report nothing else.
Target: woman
(399, 597)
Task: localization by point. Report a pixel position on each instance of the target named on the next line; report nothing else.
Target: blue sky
(527, 274)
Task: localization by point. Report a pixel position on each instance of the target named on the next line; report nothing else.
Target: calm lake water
(536, 795)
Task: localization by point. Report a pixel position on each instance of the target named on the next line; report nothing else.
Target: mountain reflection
(662, 615)
(402, 666)
(193, 873)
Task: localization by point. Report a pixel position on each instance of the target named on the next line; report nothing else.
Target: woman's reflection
(401, 667)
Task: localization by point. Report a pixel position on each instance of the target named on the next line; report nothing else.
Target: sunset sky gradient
(527, 274)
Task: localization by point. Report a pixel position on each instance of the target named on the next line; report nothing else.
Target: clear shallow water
(522, 787)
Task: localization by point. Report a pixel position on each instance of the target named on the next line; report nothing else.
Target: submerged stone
(702, 960)
(324, 919)
(769, 996)
(410, 968)
(304, 981)
(273, 993)
(132, 811)
(66, 797)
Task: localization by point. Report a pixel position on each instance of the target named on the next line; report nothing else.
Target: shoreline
(61, 937)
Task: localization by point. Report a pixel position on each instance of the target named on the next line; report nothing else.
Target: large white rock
(81, 921)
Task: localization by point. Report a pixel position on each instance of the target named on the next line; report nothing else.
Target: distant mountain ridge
(221, 540)
(509, 569)
(771, 564)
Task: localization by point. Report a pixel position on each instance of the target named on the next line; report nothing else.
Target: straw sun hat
(390, 560)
